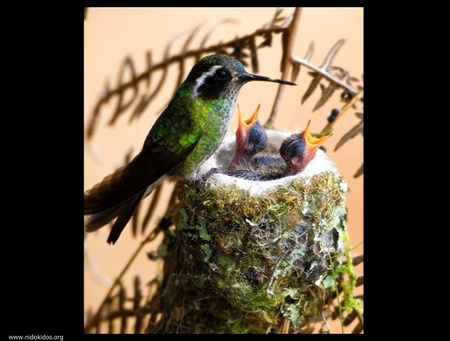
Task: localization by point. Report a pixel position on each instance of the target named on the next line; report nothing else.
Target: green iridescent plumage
(186, 133)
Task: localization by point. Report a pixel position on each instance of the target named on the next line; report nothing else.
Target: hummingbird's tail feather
(124, 217)
(121, 212)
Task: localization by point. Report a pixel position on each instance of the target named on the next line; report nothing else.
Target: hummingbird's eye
(222, 74)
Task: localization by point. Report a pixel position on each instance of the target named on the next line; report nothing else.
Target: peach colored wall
(111, 34)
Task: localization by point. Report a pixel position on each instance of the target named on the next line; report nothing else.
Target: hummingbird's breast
(212, 118)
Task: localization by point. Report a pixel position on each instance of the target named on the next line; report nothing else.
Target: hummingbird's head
(216, 75)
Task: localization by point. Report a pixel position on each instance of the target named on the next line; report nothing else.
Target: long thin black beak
(251, 77)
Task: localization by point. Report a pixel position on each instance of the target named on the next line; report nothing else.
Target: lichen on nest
(245, 255)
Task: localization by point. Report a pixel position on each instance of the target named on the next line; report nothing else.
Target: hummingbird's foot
(205, 176)
(212, 171)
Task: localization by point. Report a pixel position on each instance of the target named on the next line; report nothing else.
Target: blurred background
(113, 34)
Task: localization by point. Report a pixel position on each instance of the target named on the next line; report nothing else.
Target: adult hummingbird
(186, 134)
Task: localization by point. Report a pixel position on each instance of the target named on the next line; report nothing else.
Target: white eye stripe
(201, 80)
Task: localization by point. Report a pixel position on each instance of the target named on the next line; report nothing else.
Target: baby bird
(251, 138)
(299, 149)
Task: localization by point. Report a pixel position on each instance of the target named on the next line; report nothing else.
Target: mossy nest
(246, 256)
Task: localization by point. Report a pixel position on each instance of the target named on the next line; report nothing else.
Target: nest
(253, 256)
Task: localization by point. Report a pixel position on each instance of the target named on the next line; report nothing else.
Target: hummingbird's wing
(157, 158)
(128, 181)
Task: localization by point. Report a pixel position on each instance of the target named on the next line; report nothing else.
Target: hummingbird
(185, 134)
(251, 138)
(295, 153)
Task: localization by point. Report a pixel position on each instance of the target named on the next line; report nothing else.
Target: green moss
(348, 285)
